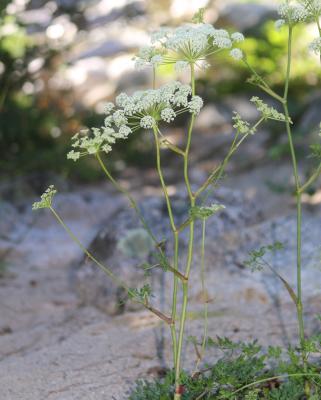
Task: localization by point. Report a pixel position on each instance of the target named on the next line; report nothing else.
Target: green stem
(154, 77)
(319, 28)
(299, 305)
(313, 177)
(162, 180)
(174, 296)
(176, 241)
(204, 295)
(264, 86)
(189, 260)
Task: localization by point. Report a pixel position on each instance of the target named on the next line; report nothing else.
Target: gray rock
(310, 120)
(94, 288)
(246, 16)
(9, 217)
(212, 116)
(107, 49)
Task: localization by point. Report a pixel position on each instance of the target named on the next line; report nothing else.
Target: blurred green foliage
(27, 119)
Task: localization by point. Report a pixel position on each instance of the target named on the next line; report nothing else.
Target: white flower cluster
(195, 105)
(267, 111)
(148, 56)
(313, 7)
(144, 109)
(315, 45)
(186, 44)
(292, 13)
(237, 54)
(45, 199)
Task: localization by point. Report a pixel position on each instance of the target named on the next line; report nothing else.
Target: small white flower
(315, 45)
(73, 155)
(237, 54)
(140, 64)
(121, 99)
(124, 131)
(181, 65)
(147, 122)
(162, 33)
(279, 23)
(168, 114)
(222, 42)
(119, 118)
(195, 105)
(237, 37)
(156, 60)
(106, 148)
(109, 108)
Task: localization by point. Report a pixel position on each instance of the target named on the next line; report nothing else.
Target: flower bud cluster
(242, 127)
(267, 111)
(45, 199)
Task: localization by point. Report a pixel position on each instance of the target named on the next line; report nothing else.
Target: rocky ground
(62, 333)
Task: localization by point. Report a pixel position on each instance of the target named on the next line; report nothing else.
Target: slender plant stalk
(204, 296)
(178, 391)
(154, 77)
(299, 304)
(176, 241)
(174, 297)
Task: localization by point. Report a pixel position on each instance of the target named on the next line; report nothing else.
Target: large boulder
(124, 246)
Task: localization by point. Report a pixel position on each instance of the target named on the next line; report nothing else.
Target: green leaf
(204, 212)
(315, 151)
(198, 17)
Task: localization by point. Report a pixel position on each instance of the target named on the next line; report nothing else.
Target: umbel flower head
(313, 8)
(292, 13)
(185, 45)
(45, 199)
(144, 109)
